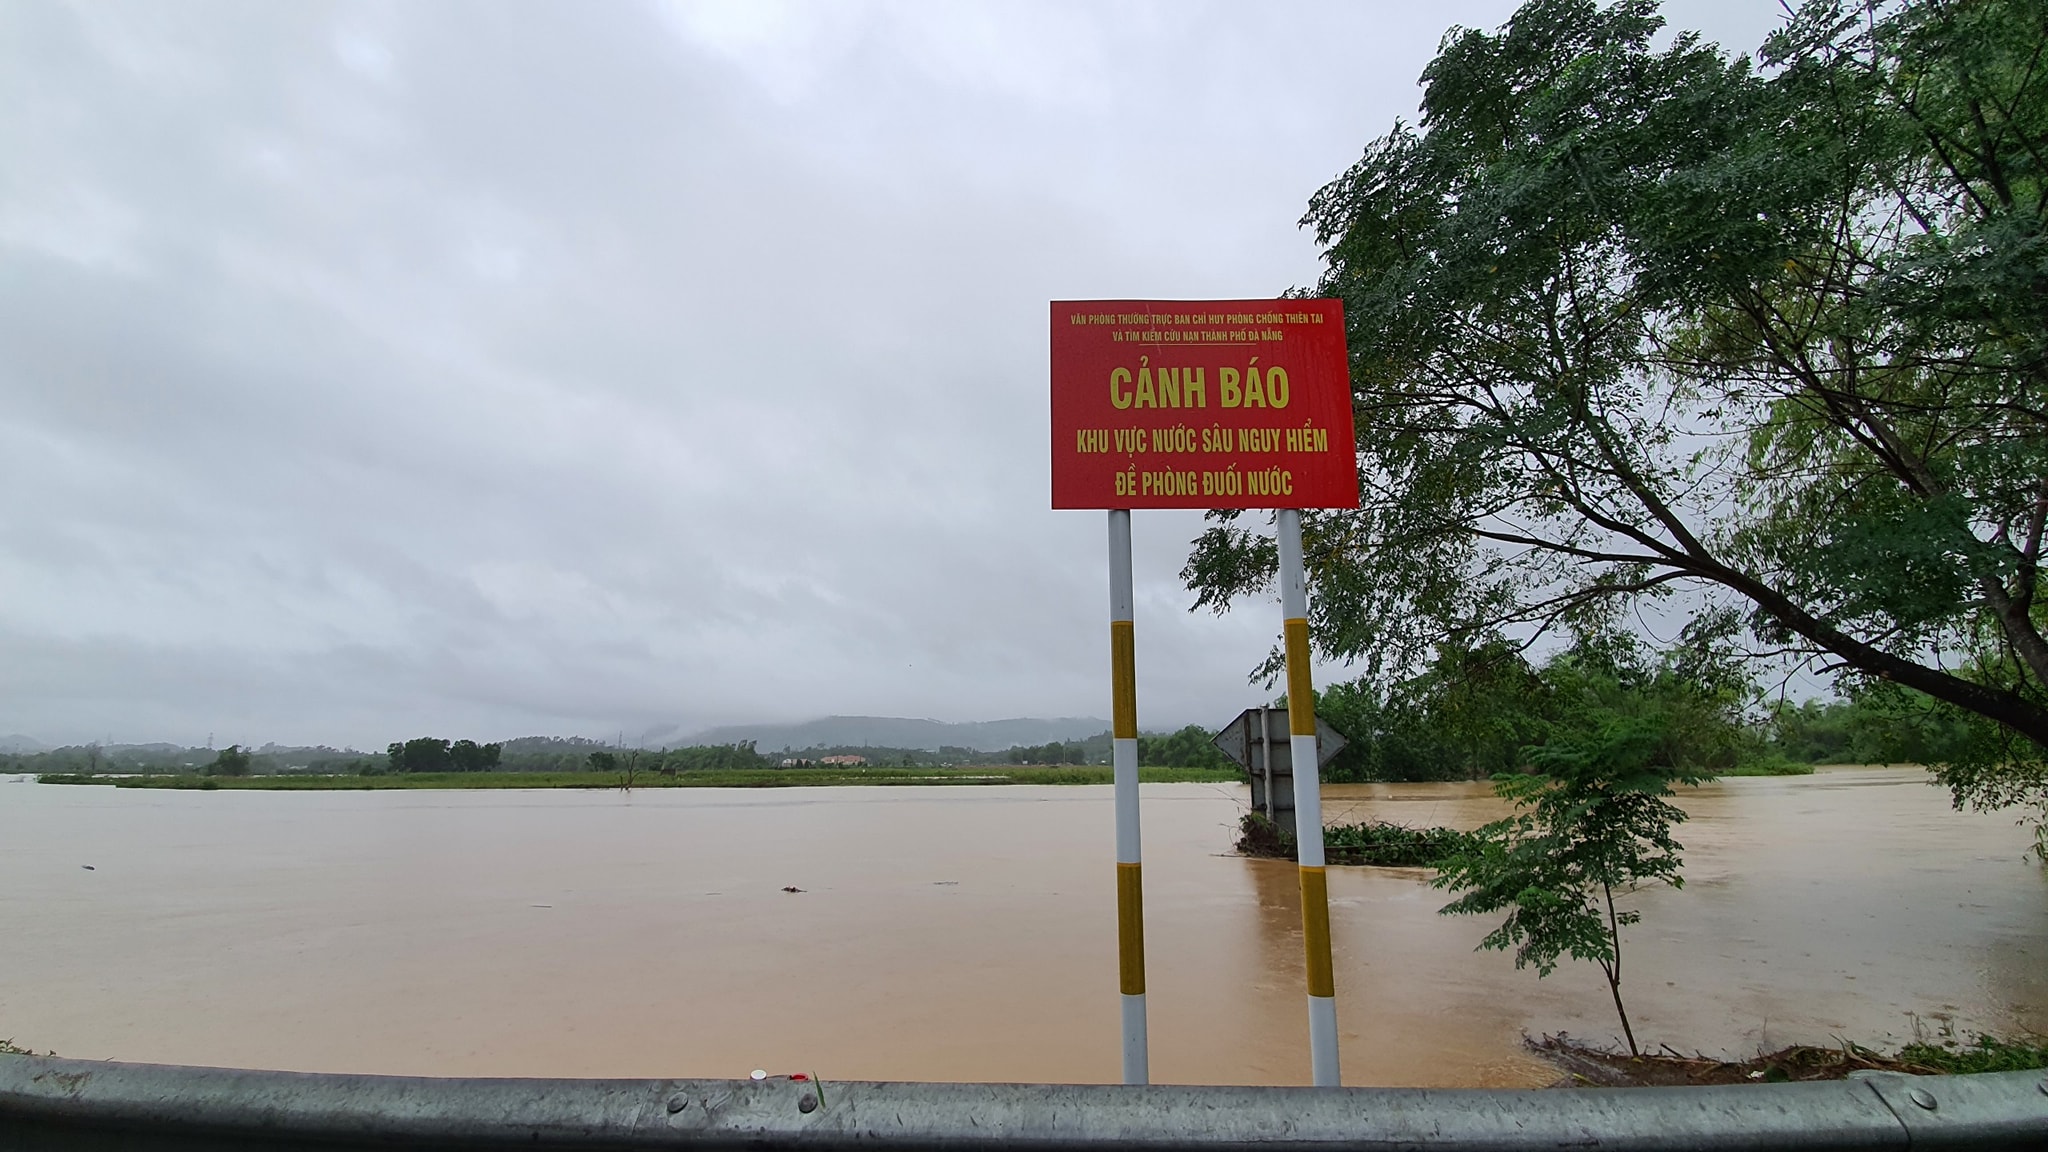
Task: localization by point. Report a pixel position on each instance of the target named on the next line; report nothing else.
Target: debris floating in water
(791, 888)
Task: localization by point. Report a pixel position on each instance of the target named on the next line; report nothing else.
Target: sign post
(1308, 808)
(1130, 890)
(1206, 404)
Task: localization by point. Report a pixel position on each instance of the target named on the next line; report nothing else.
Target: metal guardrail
(51, 1104)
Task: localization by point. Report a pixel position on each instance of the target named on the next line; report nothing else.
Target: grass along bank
(1585, 1064)
(732, 778)
(1773, 766)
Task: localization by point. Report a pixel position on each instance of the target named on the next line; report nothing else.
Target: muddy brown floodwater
(951, 933)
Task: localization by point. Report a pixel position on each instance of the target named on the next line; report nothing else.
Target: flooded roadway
(952, 933)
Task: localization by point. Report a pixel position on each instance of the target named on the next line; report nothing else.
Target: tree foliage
(470, 756)
(433, 754)
(1768, 343)
(1056, 752)
(1596, 822)
(714, 757)
(1487, 710)
(229, 761)
(1189, 747)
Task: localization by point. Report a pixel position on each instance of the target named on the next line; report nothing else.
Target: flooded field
(952, 933)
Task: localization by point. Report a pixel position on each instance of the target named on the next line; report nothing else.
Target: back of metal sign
(1260, 742)
(1240, 738)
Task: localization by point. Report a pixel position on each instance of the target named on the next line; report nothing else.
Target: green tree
(1053, 753)
(1770, 345)
(1190, 747)
(714, 758)
(1595, 823)
(1877, 724)
(425, 754)
(1480, 712)
(470, 756)
(229, 761)
(1466, 716)
(602, 762)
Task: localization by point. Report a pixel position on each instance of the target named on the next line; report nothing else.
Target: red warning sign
(1201, 404)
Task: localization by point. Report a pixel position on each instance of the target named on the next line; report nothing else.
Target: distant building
(847, 760)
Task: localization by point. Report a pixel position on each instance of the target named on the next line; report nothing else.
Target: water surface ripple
(950, 933)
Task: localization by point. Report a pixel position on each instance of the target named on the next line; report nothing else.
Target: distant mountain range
(830, 732)
(899, 732)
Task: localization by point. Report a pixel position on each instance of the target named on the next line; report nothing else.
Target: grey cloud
(371, 369)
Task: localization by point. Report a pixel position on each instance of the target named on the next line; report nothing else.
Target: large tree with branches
(1765, 340)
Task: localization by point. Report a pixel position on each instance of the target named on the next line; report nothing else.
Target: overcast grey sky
(491, 369)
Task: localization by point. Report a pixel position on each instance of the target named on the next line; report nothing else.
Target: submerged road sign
(1258, 740)
(1201, 404)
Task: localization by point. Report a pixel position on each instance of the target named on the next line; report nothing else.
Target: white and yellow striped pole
(1130, 891)
(1308, 807)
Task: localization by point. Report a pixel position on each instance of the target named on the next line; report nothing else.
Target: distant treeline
(1471, 715)
(1187, 748)
(551, 754)
(270, 759)
(1489, 710)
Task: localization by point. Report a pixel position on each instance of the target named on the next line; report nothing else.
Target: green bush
(229, 761)
(1985, 1054)
(1769, 764)
(1380, 843)
(1391, 845)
